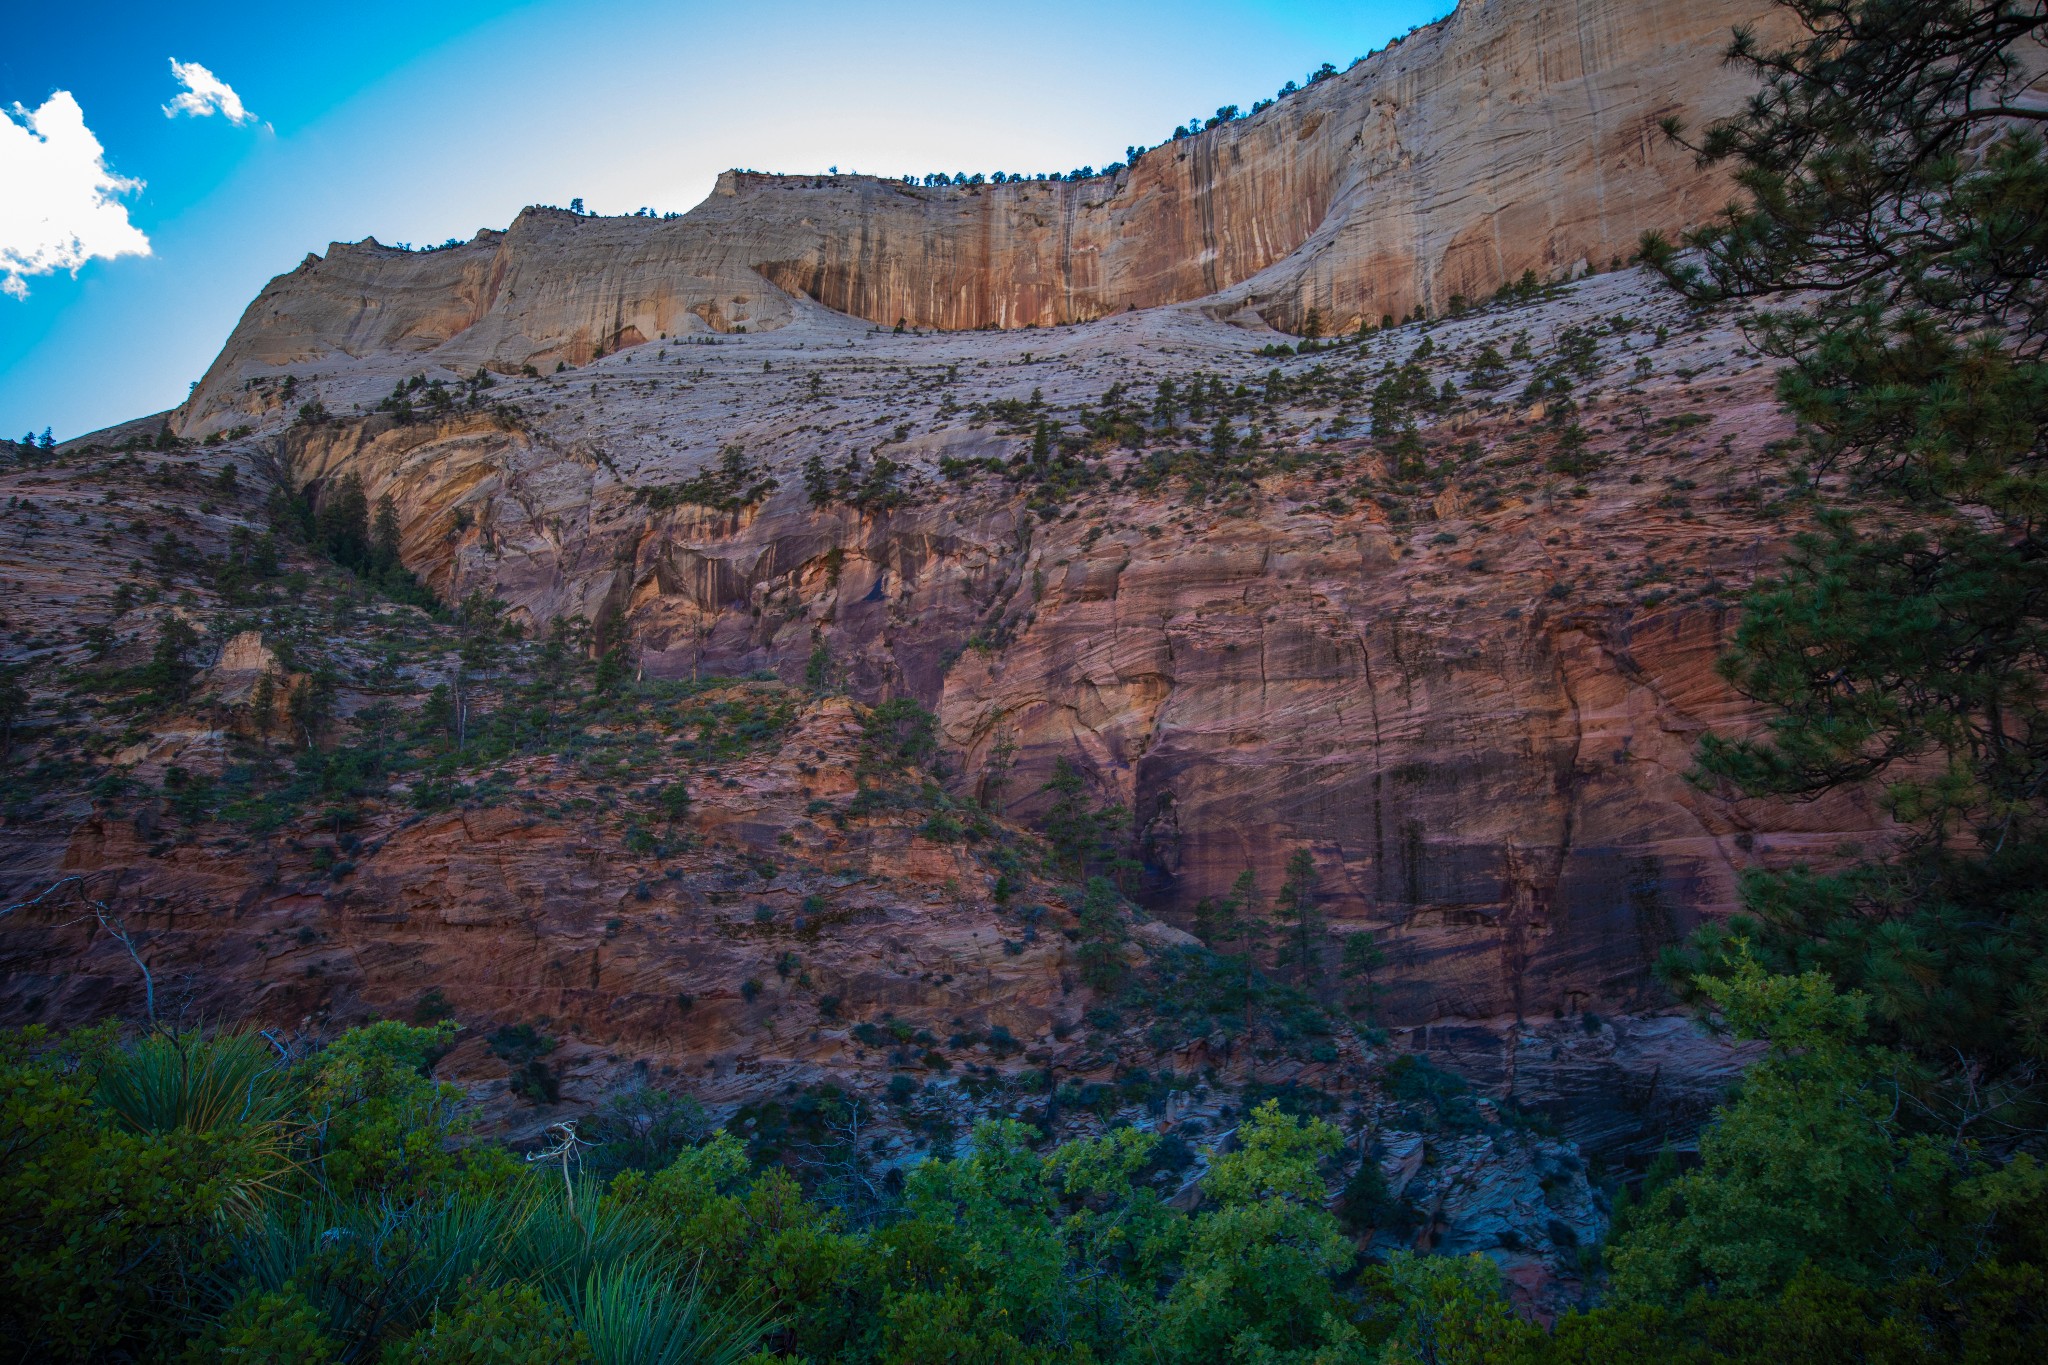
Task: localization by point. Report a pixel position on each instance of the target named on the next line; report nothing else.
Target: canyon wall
(1473, 708)
(1485, 759)
(1510, 136)
(1461, 663)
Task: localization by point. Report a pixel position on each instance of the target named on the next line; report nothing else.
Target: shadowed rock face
(1511, 136)
(1469, 692)
(1475, 710)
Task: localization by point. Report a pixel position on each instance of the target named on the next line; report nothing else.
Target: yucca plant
(634, 1314)
(377, 1270)
(568, 1239)
(203, 1083)
(230, 1087)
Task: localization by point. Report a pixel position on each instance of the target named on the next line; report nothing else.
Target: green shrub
(503, 1325)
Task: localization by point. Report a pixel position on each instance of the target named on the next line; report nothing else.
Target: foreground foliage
(179, 1196)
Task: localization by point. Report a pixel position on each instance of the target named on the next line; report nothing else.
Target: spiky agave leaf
(568, 1238)
(634, 1314)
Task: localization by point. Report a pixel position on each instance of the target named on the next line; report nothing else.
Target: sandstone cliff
(1513, 135)
(1460, 663)
(1472, 708)
(1472, 699)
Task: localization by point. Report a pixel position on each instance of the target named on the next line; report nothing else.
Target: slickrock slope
(1513, 135)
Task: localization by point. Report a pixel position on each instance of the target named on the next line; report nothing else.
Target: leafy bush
(508, 1324)
(523, 1047)
(642, 1129)
(167, 1224)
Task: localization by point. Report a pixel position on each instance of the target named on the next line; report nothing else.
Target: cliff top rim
(736, 180)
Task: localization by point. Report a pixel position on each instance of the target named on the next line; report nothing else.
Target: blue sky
(418, 122)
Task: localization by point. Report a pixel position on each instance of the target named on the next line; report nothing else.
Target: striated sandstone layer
(1514, 135)
(1469, 690)
(1474, 708)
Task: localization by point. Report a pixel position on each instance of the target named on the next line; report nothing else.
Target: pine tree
(13, 706)
(263, 703)
(1222, 438)
(1359, 966)
(1102, 935)
(384, 541)
(341, 525)
(1084, 837)
(1296, 905)
(1894, 247)
(168, 669)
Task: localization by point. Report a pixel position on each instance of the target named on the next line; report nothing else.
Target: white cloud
(59, 204)
(205, 93)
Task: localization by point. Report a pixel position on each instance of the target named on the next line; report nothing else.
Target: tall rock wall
(1452, 673)
(1514, 135)
(1484, 752)
(1472, 701)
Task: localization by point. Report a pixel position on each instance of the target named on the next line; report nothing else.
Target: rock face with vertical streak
(1514, 135)
(1476, 715)
(1466, 680)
